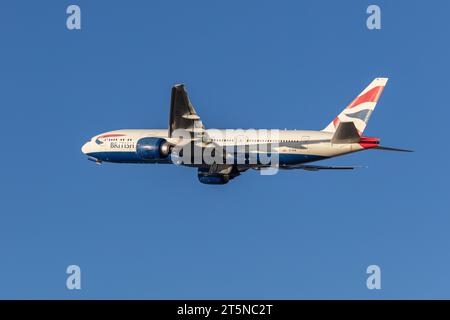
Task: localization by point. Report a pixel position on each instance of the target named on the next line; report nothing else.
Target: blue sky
(142, 231)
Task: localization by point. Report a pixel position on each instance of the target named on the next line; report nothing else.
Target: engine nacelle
(153, 148)
(215, 178)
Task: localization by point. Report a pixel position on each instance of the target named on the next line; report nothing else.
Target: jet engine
(213, 178)
(218, 177)
(153, 148)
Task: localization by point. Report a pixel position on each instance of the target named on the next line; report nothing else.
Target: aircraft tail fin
(360, 109)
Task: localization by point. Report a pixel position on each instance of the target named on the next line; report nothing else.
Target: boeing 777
(221, 155)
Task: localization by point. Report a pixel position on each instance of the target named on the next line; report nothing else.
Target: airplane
(232, 152)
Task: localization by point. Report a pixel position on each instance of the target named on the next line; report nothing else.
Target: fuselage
(290, 146)
(223, 154)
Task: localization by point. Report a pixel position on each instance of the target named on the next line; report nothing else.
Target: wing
(182, 113)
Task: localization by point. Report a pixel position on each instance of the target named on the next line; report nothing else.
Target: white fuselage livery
(292, 146)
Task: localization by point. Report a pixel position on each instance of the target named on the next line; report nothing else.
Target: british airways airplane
(221, 155)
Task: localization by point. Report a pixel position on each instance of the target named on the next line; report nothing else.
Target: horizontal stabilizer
(393, 149)
(346, 132)
(316, 168)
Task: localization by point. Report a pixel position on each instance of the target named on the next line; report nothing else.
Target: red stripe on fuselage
(111, 135)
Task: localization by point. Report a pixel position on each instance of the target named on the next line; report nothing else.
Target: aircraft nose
(85, 148)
